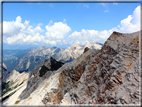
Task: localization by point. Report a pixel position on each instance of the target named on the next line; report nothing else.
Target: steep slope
(12, 82)
(112, 76)
(53, 82)
(16, 53)
(26, 60)
(5, 73)
(31, 59)
(74, 51)
(12, 57)
(40, 73)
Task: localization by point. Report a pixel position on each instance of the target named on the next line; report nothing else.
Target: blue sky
(62, 24)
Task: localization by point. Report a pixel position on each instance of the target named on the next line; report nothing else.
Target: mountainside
(31, 59)
(112, 76)
(74, 51)
(12, 81)
(28, 61)
(107, 76)
(17, 53)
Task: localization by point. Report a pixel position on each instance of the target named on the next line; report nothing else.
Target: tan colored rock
(110, 75)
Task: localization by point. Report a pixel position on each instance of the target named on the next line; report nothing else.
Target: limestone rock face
(53, 85)
(39, 74)
(74, 51)
(112, 76)
(33, 57)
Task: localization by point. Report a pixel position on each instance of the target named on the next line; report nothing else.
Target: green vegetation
(18, 84)
(6, 88)
(43, 70)
(12, 83)
(21, 83)
(8, 96)
(17, 102)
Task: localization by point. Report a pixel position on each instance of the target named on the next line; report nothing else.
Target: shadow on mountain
(39, 74)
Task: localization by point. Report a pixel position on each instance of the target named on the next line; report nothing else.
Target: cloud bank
(59, 33)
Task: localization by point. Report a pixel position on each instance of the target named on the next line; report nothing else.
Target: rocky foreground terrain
(107, 76)
(12, 82)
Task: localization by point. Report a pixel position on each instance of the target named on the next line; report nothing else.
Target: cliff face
(53, 85)
(74, 51)
(107, 76)
(112, 76)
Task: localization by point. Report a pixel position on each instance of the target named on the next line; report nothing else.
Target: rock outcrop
(112, 76)
(86, 49)
(74, 51)
(40, 73)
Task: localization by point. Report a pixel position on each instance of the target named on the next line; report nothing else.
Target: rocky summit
(110, 75)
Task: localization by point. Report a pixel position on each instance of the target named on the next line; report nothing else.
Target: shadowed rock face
(54, 65)
(40, 73)
(86, 49)
(5, 73)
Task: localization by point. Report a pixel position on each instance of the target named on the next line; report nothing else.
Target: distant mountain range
(26, 60)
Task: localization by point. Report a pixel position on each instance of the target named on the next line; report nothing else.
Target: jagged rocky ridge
(40, 73)
(27, 62)
(74, 51)
(107, 76)
(35, 56)
(112, 76)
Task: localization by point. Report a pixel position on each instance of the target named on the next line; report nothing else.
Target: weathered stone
(86, 49)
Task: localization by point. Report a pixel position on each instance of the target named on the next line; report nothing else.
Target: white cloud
(131, 23)
(12, 28)
(57, 31)
(88, 36)
(127, 25)
(85, 5)
(16, 32)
